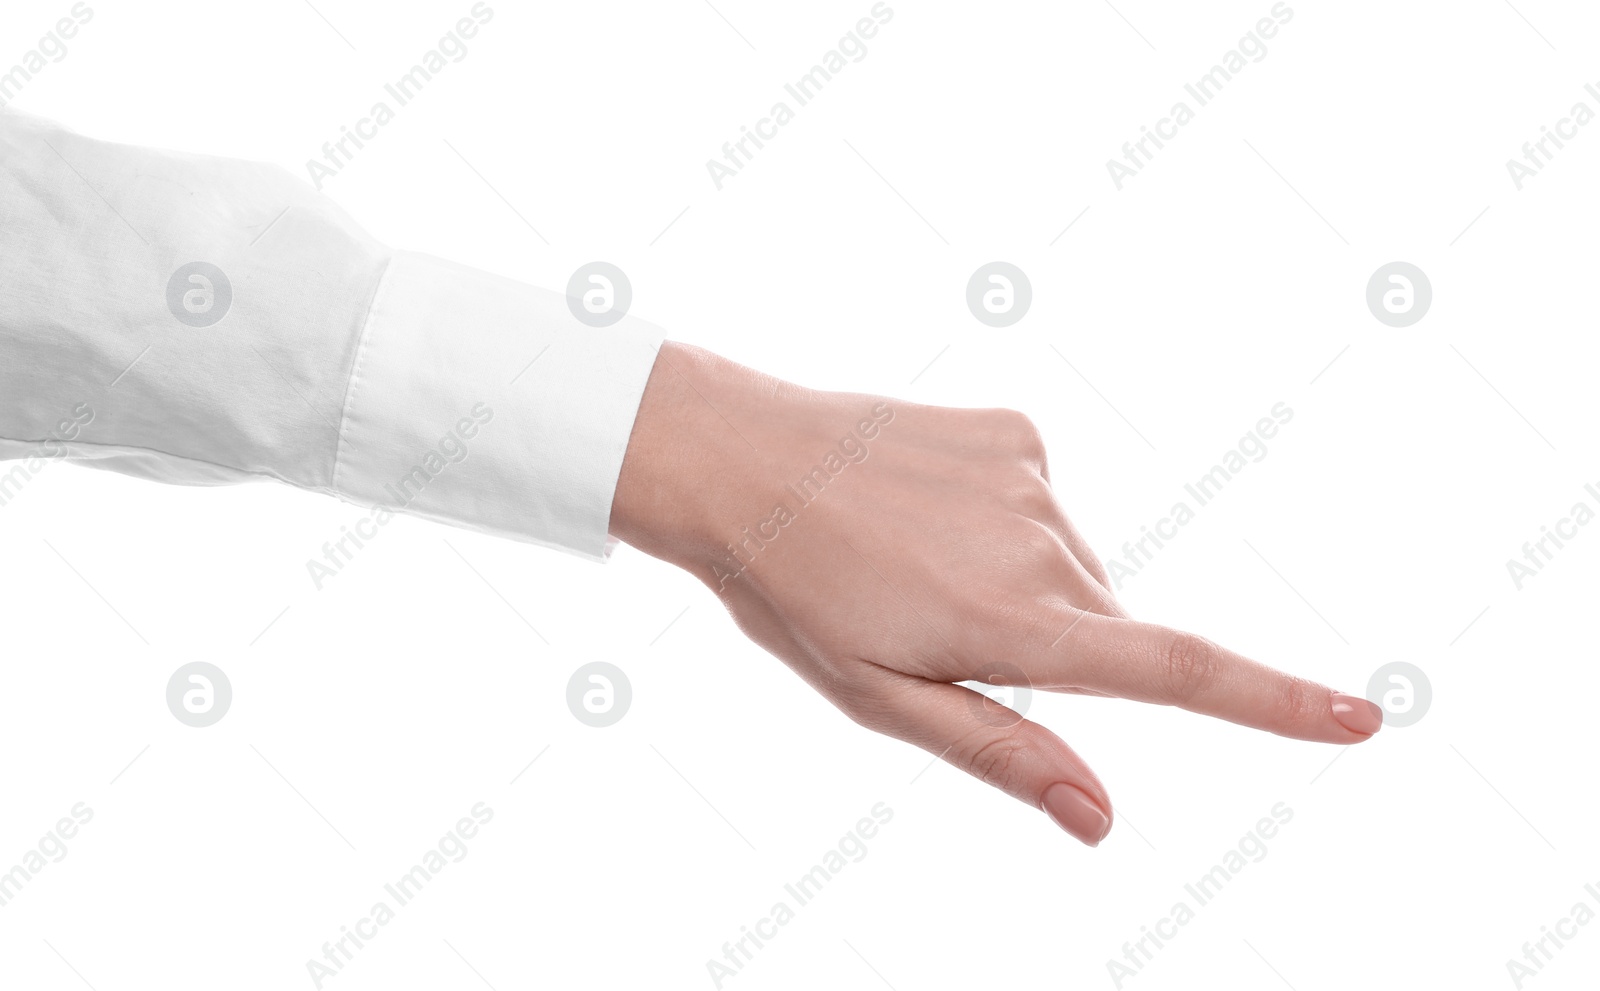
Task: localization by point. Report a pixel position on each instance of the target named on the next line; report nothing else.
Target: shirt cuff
(481, 402)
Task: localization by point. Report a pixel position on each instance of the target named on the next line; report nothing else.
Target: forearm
(218, 321)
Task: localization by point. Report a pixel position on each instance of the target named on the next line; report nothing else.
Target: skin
(941, 556)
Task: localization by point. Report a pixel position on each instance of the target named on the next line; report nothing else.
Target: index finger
(1149, 663)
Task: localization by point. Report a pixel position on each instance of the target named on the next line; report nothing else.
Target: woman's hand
(886, 550)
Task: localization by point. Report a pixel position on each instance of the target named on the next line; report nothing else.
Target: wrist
(687, 464)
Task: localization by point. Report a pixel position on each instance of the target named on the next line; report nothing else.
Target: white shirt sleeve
(203, 321)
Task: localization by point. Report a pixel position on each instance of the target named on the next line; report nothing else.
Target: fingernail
(1357, 714)
(1075, 812)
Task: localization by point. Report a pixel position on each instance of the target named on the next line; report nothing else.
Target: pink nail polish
(1075, 812)
(1357, 714)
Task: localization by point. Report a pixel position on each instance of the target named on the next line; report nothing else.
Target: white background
(370, 716)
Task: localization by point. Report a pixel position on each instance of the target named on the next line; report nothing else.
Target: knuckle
(1299, 701)
(1030, 497)
(1022, 435)
(1034, 544)
(992, 616)
(1112, 607)
(996, 759)
(865, 703)
(1189, 666)
(860, 710)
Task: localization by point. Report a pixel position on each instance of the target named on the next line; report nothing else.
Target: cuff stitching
(355, 372)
